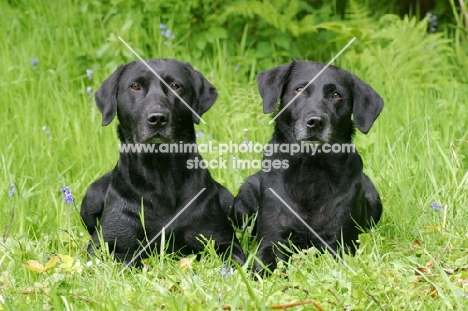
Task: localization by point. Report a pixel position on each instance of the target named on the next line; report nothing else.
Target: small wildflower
(46, 130)
(89, 73)
(33, 61)
(89, 90)
(166, 32)
(436, 206)
(67, 195)
(225, 273)
(432, 22)
(236, 68)
(200, 133)
(246, 145)
(12, 189)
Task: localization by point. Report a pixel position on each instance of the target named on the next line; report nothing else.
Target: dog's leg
(374, 205)
(93, 202)
(233, 248)
(247, 200)
(268, 253)
(119, 255)
(121, 234)
(220, 231)
(225, 198)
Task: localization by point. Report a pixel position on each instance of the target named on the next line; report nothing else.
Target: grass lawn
(415, 259)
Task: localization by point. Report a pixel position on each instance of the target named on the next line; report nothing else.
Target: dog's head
(155, 105)
(321, 113)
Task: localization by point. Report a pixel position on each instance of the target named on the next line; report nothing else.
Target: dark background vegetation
(261, 32)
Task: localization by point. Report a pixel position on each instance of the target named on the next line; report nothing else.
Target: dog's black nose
(315, 122)
(158, 119)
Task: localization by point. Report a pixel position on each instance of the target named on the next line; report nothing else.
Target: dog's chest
(309, 184)
(321, 193)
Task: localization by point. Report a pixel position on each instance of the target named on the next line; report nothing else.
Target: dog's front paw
(246, 202)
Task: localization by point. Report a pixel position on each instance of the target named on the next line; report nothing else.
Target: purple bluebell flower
(12, 189)
(89, 90)
(166, 32)
(33, 61)
(67, 195)
(436, 206)
(245, 145)
(200, 133)
(432, 22)
(225, 273)
(89, 73)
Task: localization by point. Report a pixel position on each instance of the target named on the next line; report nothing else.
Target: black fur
(327, 190)
(157, 184)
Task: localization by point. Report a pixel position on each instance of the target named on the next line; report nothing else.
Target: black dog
(144, 192)
(328, 190)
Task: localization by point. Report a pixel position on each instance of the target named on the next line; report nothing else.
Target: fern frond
(358, 15)
(279, 14)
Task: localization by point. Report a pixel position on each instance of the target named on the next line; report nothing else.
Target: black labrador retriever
(325, 187)
(146, 190)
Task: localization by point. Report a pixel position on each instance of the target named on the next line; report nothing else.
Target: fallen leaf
(68, 263)
(186, 263)
(432, 228)
(35, 266)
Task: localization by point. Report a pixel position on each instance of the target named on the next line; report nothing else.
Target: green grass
(416, 259)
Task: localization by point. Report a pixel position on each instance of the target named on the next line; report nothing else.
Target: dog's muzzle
(313, 128)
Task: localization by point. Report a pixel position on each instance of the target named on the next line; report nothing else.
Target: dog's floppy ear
(367, 105)
(205, 93)
(270, 84)
(106, 96)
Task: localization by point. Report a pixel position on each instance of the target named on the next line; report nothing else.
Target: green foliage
(281, 29)
(416, 257)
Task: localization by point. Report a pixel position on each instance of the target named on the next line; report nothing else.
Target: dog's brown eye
(336, 95)
(135, 87)
(300, 90)
(175, 86)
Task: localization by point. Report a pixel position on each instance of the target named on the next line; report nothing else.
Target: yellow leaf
(51, 262)
(186, 263)
(432, 228)
(35, 266)
(68, 263)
